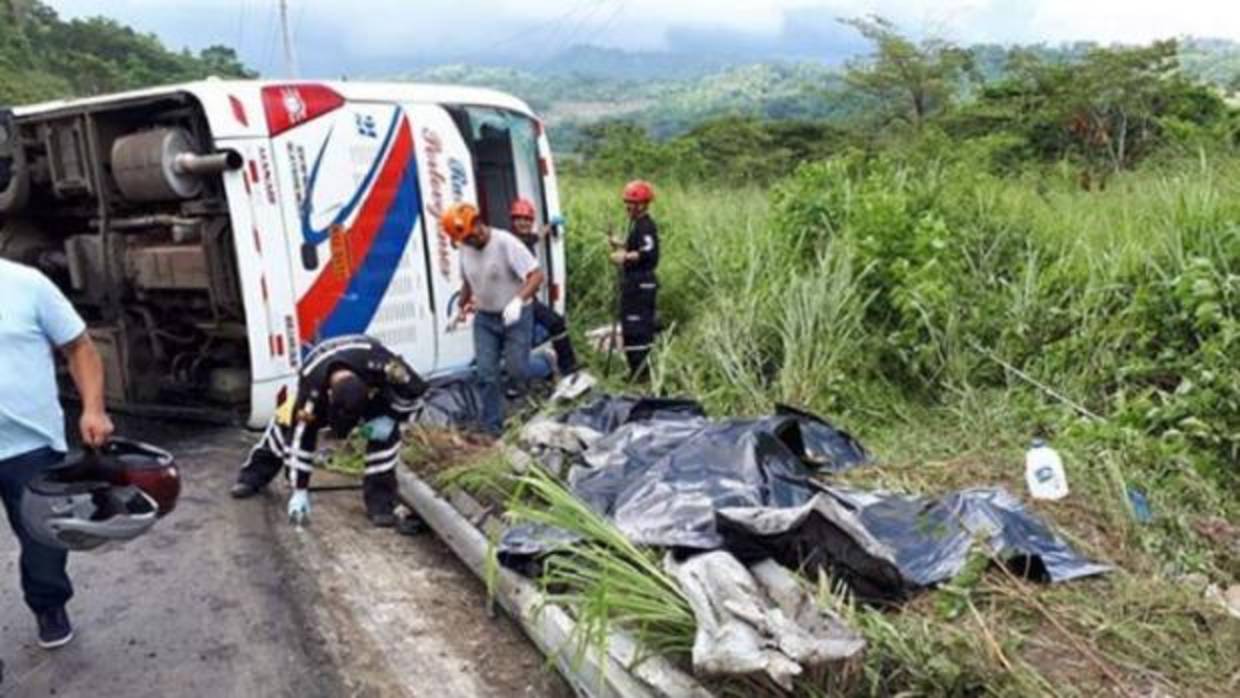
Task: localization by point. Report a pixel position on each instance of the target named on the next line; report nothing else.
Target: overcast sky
(361, 37)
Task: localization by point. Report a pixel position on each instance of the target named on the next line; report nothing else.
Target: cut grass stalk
(605, 578)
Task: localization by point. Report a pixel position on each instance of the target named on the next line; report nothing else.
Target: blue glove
(557, 220)
(379, 428)
(299, 507)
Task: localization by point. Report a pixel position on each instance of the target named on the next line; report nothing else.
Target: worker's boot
(381, 519)
(379, 495)
(243, 490)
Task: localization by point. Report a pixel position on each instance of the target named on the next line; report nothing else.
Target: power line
(269, 40)
(608, 23)
(526, 33)
(290, 60)
(241, 29)
(553, 37)
(580, 24)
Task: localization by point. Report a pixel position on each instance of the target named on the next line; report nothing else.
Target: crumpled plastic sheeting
(820, 445)
(669, 497)
(689, 483)
(821, 534)
(664, 470)
(451, 403)
(542, 433)
(608, 412)
(758, 620)
(886, 544)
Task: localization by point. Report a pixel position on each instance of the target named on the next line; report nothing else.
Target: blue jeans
(492, 340)
(45, 582)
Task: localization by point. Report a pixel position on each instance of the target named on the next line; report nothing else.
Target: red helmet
(638, 191)
(521, 208)
(144, 466)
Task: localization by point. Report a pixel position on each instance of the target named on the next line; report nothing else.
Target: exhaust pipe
(161, 165)
(212, 163)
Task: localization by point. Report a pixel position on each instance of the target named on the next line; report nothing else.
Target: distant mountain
(617, 64)
(672, 103)
(1216, 61)
(669, 93)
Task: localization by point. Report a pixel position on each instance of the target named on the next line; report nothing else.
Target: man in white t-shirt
(35, 317)
(500, 277)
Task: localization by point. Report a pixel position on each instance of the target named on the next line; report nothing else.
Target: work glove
(378, 429)
(553, 226)
(512, 311)
(299, 507)
(619, 257)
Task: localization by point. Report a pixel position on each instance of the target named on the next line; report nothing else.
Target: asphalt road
(224, 598)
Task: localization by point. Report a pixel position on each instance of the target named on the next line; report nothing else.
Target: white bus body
(211, 232)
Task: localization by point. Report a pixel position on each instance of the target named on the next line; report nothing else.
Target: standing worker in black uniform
(638, 257)
(343, 381)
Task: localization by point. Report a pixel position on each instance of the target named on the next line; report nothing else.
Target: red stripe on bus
(325, 293)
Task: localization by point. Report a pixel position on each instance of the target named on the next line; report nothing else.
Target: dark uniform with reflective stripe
(638, 289)
(557, 329)
(292, 435)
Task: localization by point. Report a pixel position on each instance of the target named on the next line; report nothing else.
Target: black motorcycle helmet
(111, 495)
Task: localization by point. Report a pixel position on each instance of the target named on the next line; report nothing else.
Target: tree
(224, 62)
(1109, 109)
(911, 81)
(43, 57)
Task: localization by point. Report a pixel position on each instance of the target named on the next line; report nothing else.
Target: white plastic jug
(1044, 472)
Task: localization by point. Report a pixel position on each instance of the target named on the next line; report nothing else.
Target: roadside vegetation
(944, 250)
(1054, 255)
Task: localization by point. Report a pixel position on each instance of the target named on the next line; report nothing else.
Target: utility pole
(18, 13)
(290, 62)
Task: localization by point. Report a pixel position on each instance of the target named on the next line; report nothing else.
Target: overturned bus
(211, 232)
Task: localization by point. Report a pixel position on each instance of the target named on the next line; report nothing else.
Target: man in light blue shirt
(35, 317)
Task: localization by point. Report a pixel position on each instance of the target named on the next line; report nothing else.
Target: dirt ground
(225, 598)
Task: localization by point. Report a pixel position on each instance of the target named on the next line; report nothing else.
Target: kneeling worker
(572, 381)
(343, 381)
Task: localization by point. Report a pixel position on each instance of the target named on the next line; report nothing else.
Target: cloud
(385, 37)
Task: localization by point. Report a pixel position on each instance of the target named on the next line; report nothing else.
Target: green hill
(43, 57)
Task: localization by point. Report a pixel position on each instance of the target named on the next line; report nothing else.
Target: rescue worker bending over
(638, 257)
(343, 381)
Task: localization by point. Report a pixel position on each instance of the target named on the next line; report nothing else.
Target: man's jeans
(491, 340)
(45, 582)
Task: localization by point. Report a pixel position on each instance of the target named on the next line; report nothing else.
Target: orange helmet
(638, 191)
(521, 208)
(458, 221)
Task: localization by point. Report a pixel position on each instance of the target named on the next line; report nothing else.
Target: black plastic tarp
(932, 535)
(607, 413)
(669, 477)
(664, 470)
(452, 402)
(886, 545)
